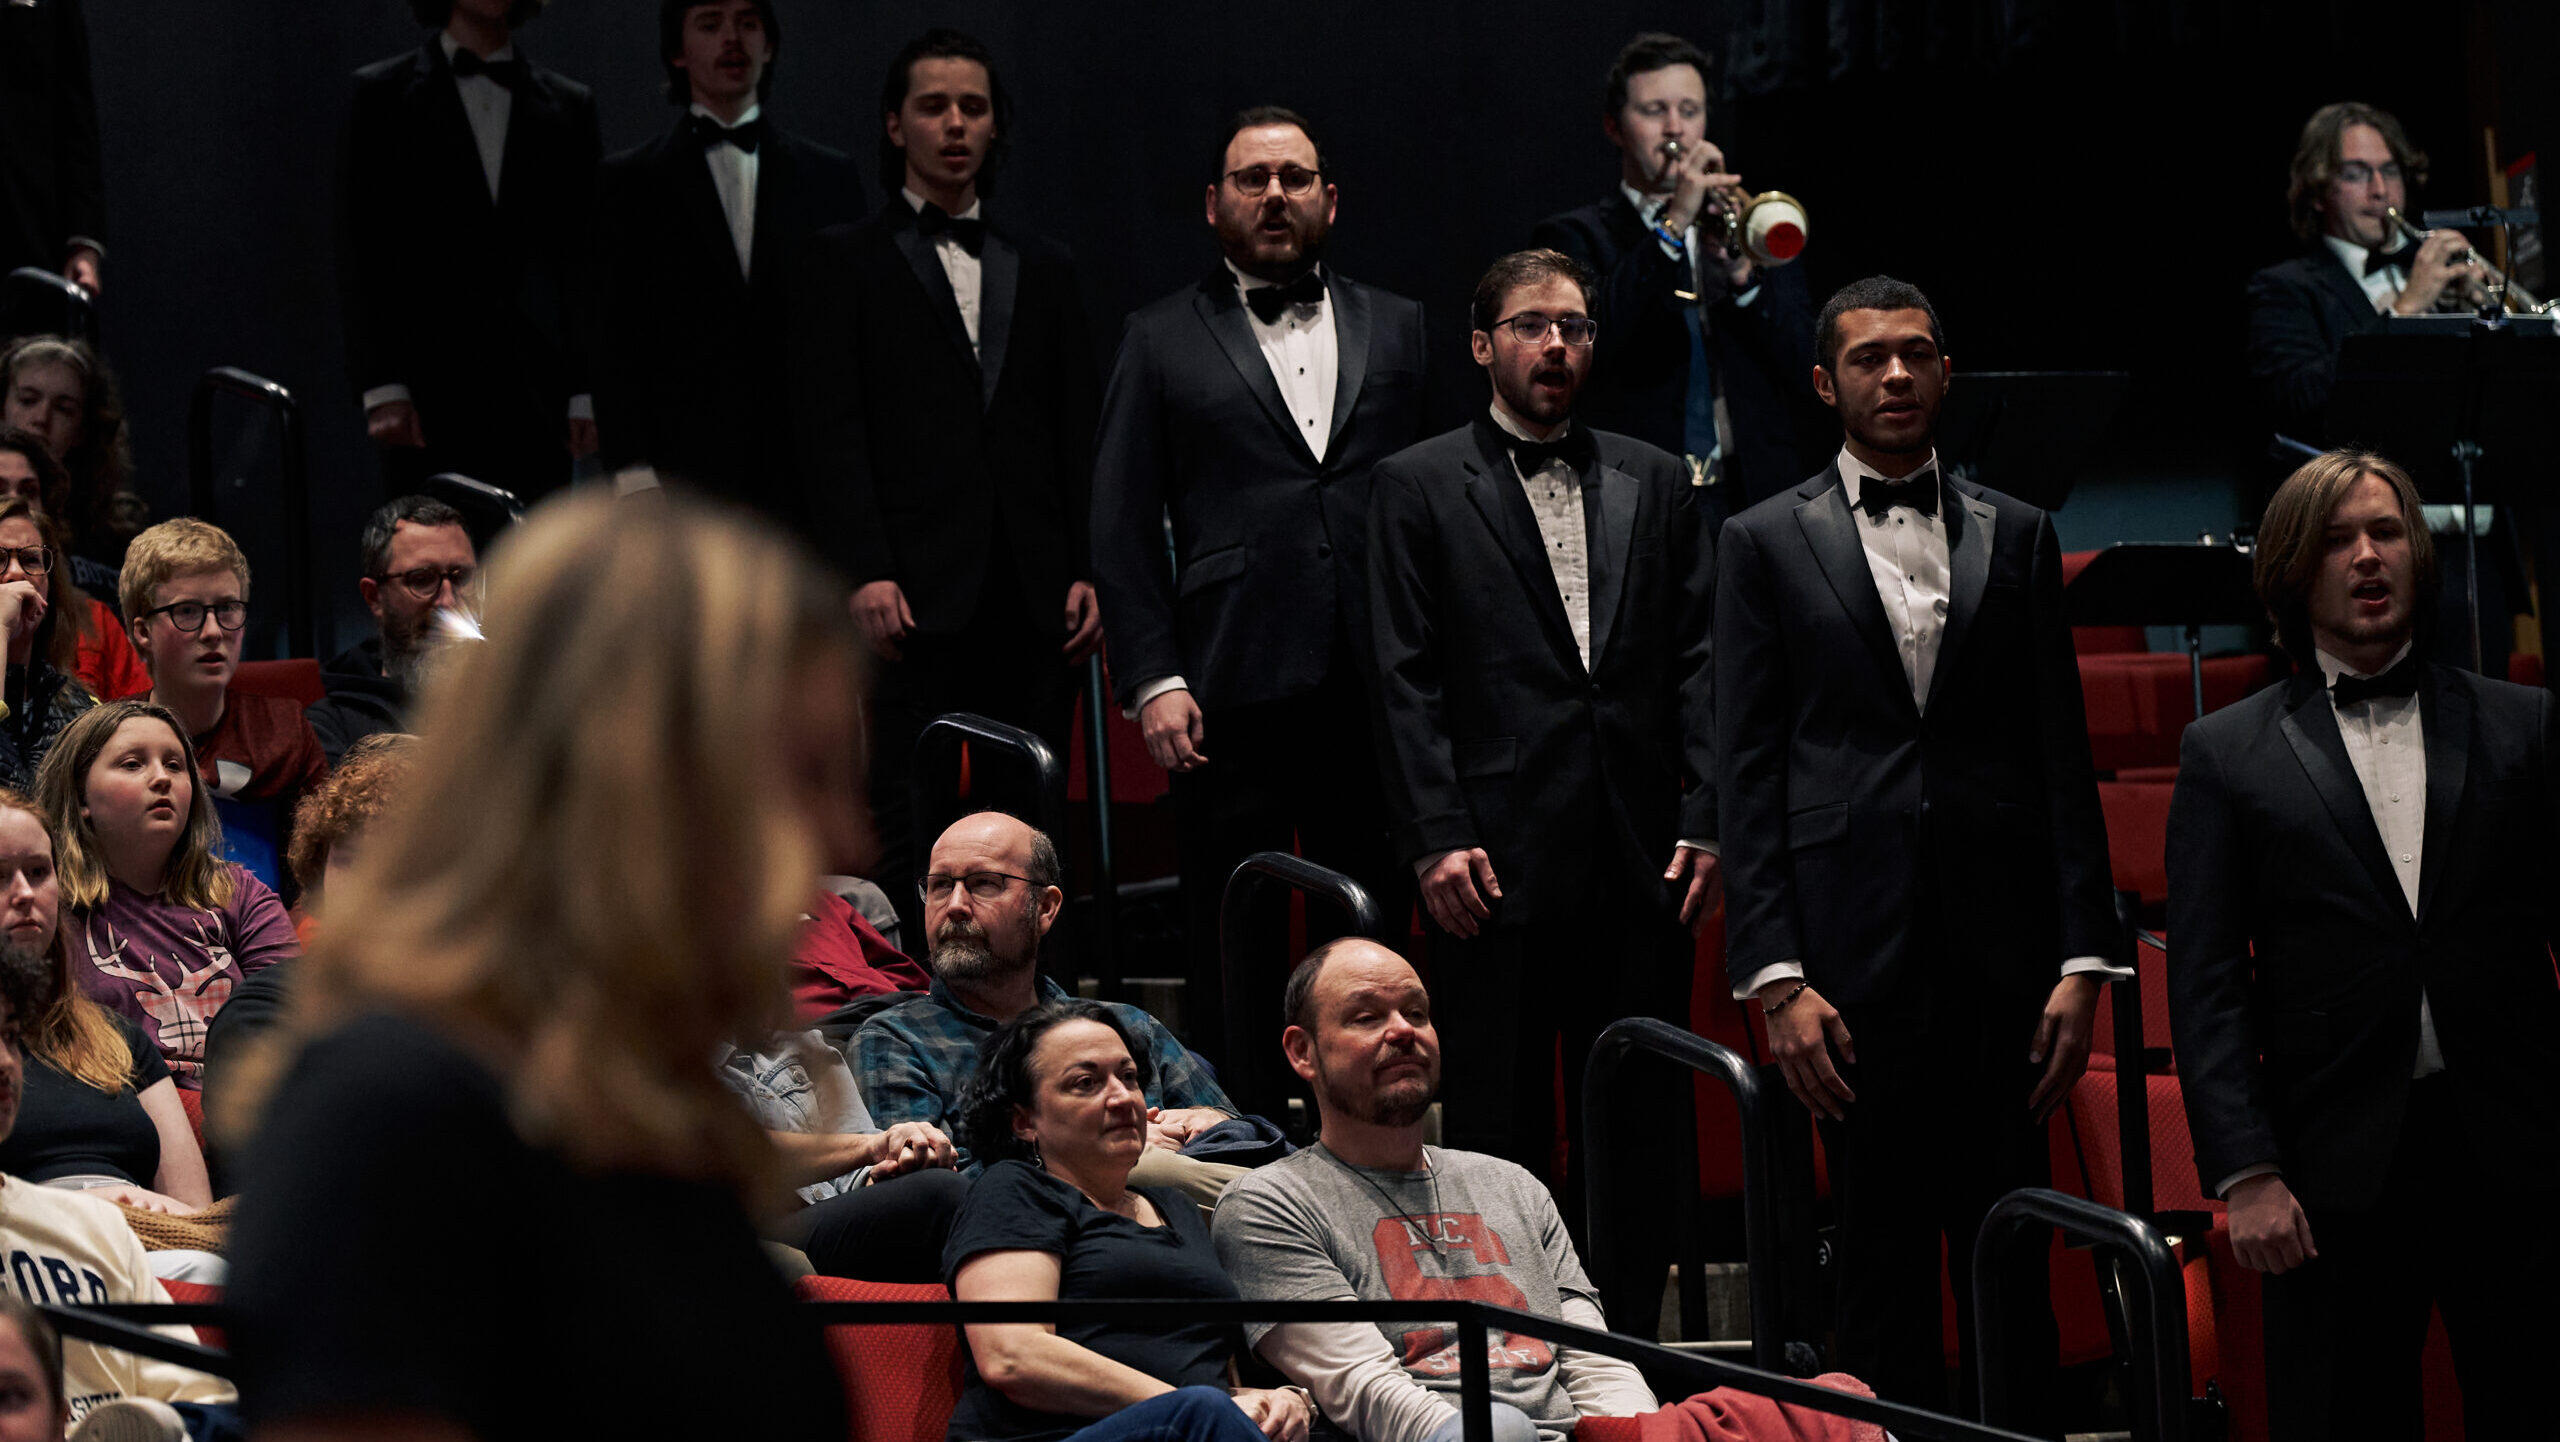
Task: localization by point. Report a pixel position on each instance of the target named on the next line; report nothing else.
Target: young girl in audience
(62, 392)
(616, 811)
(160, 927)
(97, 1109)
(1059, 1110)
(41, 700)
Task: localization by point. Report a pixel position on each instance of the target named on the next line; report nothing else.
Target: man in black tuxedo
(1917, 866)
(1702, 352)
(699, 233)
(53, 203)
(1539, 595)
(946, 403)
(468, 191)
(1249, 406)
(2360, 981)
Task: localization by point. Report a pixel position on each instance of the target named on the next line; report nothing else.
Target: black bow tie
(1919, 491)
(2379, 260)
(1574, 448)
(933, 220)
(708, 132)
(467, 63)
(1268, 301)
(2400, 680)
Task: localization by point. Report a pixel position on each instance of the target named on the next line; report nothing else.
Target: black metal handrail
(498, 505)
(2156, 1331)
(936, 789)
(125, 1326)
(46, 289)
(258, 390)
(1250, 1069)
(1600, 1126)
(1106, 861)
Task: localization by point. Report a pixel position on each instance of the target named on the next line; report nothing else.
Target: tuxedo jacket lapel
(2445, 713)
(1970, 525)
(698, 200)
(1609, 500)
(434, 89)
(1351, 344)
(2310, 727)
(1493, 488)
(999, 272)
(927, 267)
(2342, 282)
(1222, 311)
(1832, 532)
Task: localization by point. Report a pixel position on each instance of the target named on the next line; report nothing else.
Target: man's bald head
(1300, 1003)
(996, 841)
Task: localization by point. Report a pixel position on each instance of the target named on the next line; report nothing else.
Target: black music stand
(2028, 434)
(2193, 586)
(2439, 394)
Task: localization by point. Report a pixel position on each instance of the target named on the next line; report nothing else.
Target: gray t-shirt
(1313, 1228)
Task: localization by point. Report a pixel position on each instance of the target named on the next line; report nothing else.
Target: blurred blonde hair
(598, 858)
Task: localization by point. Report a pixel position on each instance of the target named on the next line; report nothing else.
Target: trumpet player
(2352, 170)
(1702, 352)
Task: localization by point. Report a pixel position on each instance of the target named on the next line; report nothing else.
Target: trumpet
(2509, 295)
(1768, 227)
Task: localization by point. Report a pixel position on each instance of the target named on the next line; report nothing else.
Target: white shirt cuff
(1423, 866)
(1708, 847)
(1781, 971)
(2262, 1169)
(385, 395)
(2098, 964)
(582, 408)
(1744, 298)
(1151, 691)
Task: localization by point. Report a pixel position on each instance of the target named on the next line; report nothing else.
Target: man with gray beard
(419, 564)
(990, 893)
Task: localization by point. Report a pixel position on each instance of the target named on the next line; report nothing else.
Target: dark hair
(1876, 292)
(1254, 117)
(1651, 51)
(671, 15)
(26, 983)
(437, 12)
(1519, 268)
(984, 1116)
(384, 524)
(53, 483)
(941, 44)
(100, 506)
(1298, 999)
(2293, 535)
(2316, 158)
(41, 1340)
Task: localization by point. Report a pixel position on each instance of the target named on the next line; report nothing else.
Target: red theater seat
(198, 1292)
(2100, 640)
(2137, 815)
(900, 1382)
(2138, 704)
(297, 680)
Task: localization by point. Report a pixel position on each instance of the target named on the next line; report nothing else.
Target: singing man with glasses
(1248, 408)
(419, 570)
(990, 892)
(186, 597)
(1540, 596)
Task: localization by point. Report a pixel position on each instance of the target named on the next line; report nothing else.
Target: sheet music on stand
(2463, 407)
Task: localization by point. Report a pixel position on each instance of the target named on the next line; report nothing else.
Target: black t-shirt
(1016, 1207)
(68, 1128)
(401, 1249)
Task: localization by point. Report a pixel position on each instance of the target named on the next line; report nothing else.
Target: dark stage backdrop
(2088, 194)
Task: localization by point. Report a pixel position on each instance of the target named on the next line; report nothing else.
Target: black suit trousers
(1938, 1132)
(2344, 1331)
(1513, 1001)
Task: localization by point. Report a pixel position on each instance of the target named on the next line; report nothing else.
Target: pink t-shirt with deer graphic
(171, 967)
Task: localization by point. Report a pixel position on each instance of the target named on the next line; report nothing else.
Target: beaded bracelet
(1788, 1000)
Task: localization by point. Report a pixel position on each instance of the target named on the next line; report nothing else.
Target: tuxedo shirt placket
(1564, 535)
(966, 272)
(1908, 556)
(1302, 352)
(734, 173)
(2385, 739)
(487, 105)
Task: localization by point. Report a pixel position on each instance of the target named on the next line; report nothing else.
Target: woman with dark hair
(41, 699)
(60, 391)
(89, 642)
(1059, 1111)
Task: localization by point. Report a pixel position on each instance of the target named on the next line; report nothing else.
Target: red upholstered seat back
(296, 680)
(900, 1382)
(198, 1292)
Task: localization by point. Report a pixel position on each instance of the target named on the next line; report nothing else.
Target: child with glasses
(186, 599)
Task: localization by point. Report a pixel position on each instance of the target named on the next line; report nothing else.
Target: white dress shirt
(1908, 555)
(2384, 285)
(488, 106)
(1564, 536)
(2386, 742)
(966, 272)
(1306, 362)
(733, 174)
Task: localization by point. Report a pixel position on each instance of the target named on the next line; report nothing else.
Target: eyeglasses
(34, 560)
(2356, 172)
(1255, 179)
(1531, 328)
(189, 615)
(423, 582)
(983, 885)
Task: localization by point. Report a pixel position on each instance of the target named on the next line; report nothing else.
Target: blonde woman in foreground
(501, 1193)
